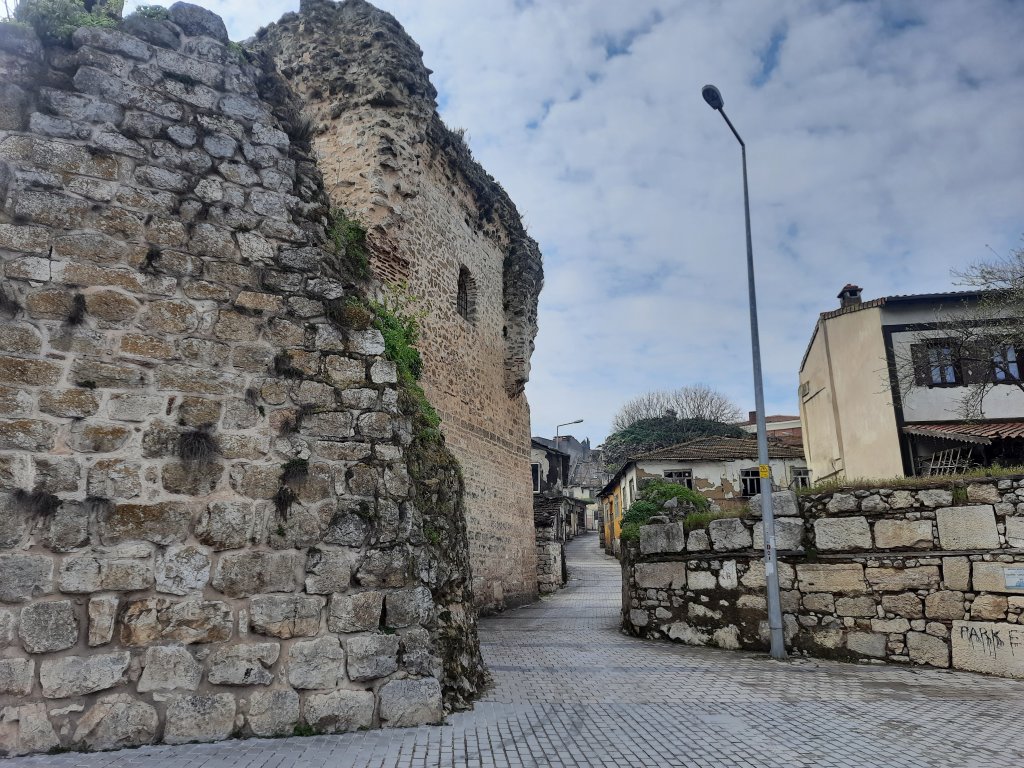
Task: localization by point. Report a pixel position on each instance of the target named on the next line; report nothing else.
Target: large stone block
(339, 711)
(329, 570)
(86, 574)
(925, 649)
(273, 713)
(23, 577)
(956, 573)
(407, 703)
(408, 606)
(903, 534)
(102, 613)
(992, 647)
(168, 668)
(728, 534)
(359, 612)
(33, 732)
(50, 626)
(199, 717)
(867, 644)
(784, 504)
(188, 621)
(372, 656)
(286, 616)
(316, 663)
(843, 502)
(993, 577)
(934, 497)
(971, 527)
(902, 579)
(117, 721)
(17, 676)
(241, 574)
(983, 493)
(662, 537)
(182, 569)
(946, 605)
(846, 578)
(79, 675)
(842, 534)
(989, 608)
(907, 605)
(789, 534)
(660, 575)
(1015, 532)
(163, 523)
(228, 525)
(243, 664)
(855, 606)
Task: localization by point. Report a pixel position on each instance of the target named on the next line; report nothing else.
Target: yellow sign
(766, 471)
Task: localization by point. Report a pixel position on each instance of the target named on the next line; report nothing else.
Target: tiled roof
(768, 420)
(720, 449)
(969, 431)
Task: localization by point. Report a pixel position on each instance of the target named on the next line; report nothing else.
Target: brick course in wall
(431, 211)
(898, 575)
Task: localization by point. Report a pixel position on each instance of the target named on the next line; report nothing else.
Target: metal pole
(771, 570)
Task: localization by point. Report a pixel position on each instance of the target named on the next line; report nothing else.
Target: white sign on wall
(1014, 578)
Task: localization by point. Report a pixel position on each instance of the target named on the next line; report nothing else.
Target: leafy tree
(694, 402)
(651, 434)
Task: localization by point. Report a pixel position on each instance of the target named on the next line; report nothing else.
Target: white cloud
(885, 148)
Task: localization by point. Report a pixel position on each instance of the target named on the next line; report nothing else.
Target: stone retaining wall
(217, 516)
(903, 576)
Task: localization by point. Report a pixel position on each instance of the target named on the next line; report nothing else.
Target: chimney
(850, 295)
(752, 415)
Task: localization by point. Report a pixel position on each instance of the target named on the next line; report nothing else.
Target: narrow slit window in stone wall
(465, 301)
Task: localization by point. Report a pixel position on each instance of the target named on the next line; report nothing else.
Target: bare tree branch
(694, 402)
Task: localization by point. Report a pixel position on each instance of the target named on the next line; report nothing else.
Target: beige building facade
(882, 394)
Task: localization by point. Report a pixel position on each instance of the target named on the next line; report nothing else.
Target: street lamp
(771, 571)
(557, 436)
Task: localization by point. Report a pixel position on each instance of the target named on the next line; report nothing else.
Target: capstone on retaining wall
(216, 515)
(902, 576)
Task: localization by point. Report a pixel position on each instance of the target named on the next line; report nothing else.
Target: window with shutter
(936, 363)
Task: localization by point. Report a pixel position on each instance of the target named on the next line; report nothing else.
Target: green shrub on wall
(399, 324)
(56, 20)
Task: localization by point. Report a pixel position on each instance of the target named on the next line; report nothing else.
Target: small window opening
(465, 300)
(750, 481)
(680, 476)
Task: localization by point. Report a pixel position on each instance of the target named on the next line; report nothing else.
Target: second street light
(771, 572)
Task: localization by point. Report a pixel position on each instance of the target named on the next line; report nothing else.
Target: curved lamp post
(771, 572)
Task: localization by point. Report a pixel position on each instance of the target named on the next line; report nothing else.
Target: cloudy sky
(886, 147)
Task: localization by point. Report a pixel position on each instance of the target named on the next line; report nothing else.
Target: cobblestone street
(570, 690)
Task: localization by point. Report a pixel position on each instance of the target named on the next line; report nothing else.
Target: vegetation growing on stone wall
(651, 500)
(157, 12)
(37, 503)
(950, 482)
(349, 237)
(56, 20)
(399, 324)
(197, 446)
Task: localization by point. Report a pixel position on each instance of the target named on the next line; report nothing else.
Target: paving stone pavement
(570, 690)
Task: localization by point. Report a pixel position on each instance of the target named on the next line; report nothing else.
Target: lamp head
(713, 97)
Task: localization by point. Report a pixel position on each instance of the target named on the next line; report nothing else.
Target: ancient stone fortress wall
(435, 218)
(903, 576)
(217, 514)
